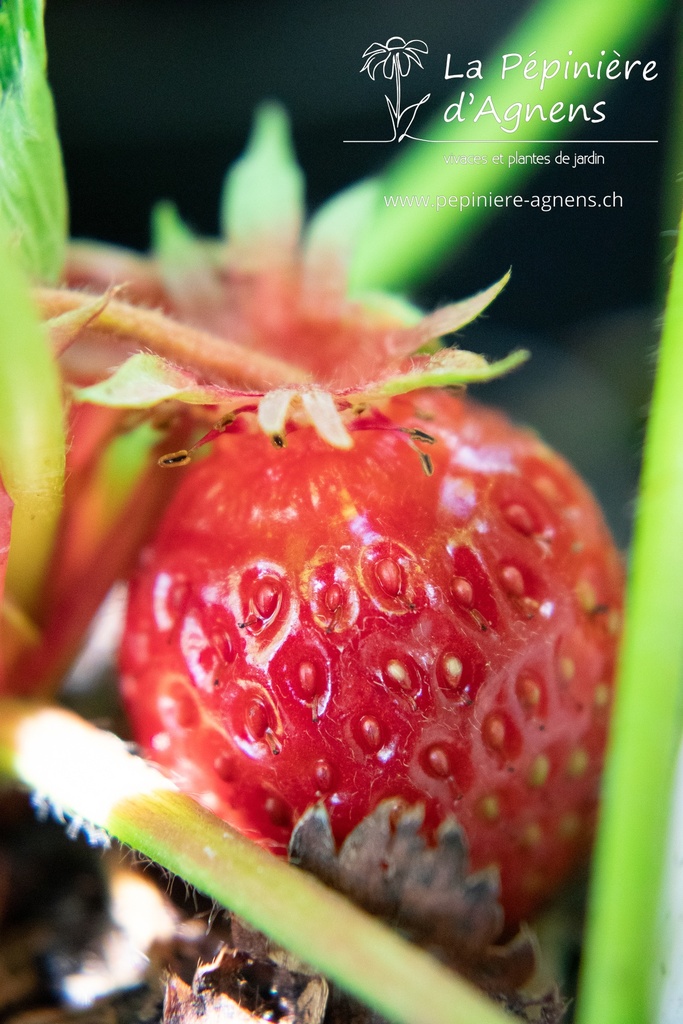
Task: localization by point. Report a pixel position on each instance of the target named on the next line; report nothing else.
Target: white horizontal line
(518, 142)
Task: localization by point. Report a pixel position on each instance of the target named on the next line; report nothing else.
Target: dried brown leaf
(387, 865)
(240, 989)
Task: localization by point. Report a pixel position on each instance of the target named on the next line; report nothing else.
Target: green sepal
(263, 194)
(188, 262)
(396, 309)
(338, 224)
(174, 245)
(144, 381)
(451, 367)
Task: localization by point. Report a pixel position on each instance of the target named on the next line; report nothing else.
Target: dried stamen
(419, 435)
(222, 426)
(181, 458)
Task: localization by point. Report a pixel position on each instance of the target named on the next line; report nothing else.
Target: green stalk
(47, 749)
(32, 445)
(401, 246)
(621, 936)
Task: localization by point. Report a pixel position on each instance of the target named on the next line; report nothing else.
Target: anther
(180, 458)
(225, 421)
(421, 435)
(271, 739)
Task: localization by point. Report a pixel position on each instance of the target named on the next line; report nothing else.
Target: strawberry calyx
(188, 366)
(145, 381)
(263, 315)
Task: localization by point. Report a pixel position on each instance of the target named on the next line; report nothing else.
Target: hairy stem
(217, 358)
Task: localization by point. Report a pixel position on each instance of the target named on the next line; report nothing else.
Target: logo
(503, 96)
(396, 58)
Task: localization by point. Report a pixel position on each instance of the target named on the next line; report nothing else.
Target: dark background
(154, 100)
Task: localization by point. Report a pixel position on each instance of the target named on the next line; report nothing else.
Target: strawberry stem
(46, 749)
(618, 970)
(216, 358)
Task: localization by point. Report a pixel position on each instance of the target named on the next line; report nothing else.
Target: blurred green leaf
(33, 201)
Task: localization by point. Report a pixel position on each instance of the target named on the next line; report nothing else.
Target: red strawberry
(311, 624)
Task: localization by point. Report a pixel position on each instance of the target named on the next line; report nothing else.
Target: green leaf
(263, 195)
(33, 202)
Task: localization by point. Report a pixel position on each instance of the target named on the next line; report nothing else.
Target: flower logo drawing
(396, 58)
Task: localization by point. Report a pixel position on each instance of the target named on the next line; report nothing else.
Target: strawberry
(329, 619)
(313, 624)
